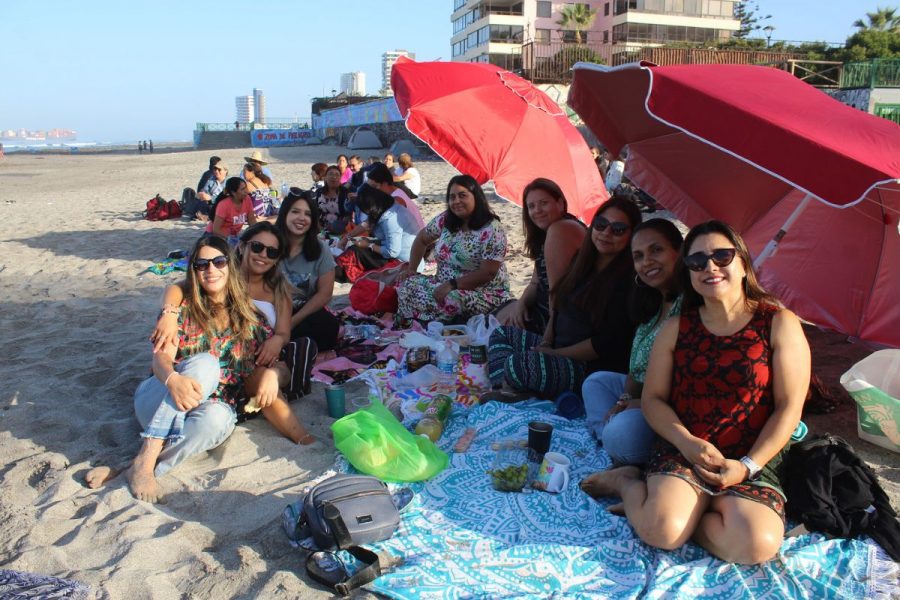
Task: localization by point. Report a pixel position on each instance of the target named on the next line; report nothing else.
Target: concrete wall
(215, 140)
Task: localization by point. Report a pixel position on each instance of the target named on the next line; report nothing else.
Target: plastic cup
(334, 396)
(359, 402)
(435, 329)
(539, 435)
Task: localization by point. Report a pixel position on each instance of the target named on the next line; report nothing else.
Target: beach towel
(19, 585)
(168, 265)
(462, 539)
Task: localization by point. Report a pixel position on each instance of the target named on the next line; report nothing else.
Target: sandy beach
(78, 306)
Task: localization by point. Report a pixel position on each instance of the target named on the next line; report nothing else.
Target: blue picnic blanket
(462, 539)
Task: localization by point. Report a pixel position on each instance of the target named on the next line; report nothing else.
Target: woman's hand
(701, 453)
(517, 315)
(545, 348)
(267, 391)
(165, 332)
(362, 243)
(186, 392)
(624, 402)
(267, 353)
(732, 472)
(441, 291)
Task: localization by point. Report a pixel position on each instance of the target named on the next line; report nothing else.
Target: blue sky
(134, 69)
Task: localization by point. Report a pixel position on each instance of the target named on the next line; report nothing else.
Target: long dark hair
(645, 300)
(534, 235)
(373, 203)
(202, 311)
(754, 293)
(274, 278)
(232, 184)
(481, 216)
(379, 173)
(311, 249)
(596, 288)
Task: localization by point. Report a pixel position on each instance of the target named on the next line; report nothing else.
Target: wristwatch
(753, 468)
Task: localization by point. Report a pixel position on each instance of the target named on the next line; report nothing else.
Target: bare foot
(143, 484)
(97, 476)
(608, 483)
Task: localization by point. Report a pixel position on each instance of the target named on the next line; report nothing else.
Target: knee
(757, 546)
(203, 367)
(497, 336)
(216, 423)
(666, 532)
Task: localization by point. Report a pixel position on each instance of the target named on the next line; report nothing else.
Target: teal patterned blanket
(462, 539)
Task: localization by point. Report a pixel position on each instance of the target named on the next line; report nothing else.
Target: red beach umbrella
(494, 125)
(812, 184)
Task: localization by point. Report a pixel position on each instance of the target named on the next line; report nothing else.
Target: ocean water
(35, 146)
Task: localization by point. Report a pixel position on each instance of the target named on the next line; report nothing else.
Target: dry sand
(78, 306)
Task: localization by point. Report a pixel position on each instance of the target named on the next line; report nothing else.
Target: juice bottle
(431, 424)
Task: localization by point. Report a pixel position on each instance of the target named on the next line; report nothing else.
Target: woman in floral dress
(469, 247)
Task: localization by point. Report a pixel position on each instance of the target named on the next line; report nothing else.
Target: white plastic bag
(480, 329)
(874, 384)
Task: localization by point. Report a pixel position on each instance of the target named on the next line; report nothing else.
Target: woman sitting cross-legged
(392, 232)
(260, 252)
(188, 405)
(309, 267)
(552, 238)
(589, 329)
(612, 401)
(724, 391)
(469, 247)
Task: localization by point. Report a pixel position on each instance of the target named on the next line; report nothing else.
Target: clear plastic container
(510, 469)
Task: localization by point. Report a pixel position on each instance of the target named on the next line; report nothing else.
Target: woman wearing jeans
(188, 405)
(612, 401)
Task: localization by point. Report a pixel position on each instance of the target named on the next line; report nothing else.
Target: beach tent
(407, 146)
(363, 138)
(811, 184)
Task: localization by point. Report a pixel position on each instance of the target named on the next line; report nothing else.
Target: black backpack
(831, 490)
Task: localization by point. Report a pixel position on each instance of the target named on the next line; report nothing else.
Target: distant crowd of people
(145, 146)
(693, 377)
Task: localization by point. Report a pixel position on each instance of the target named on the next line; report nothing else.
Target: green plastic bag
(377, 444)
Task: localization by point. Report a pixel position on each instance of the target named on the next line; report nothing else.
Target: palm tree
(578, 17)
(883, 19)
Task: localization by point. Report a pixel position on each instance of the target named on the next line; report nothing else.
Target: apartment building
(353, 84)
(387, 64)
(495, 31)
(243, 109)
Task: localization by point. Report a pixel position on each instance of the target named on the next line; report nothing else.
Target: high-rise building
(495, 32)
(353, 84)
(243, 109)
(387, 63)
(259, 106)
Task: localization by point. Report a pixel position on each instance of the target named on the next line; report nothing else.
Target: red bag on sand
(374, 292)
(155, 206)
(173, 209)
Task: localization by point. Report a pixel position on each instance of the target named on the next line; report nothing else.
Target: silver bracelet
(166, 382)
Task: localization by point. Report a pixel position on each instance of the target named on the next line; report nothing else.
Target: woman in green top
(612, 401)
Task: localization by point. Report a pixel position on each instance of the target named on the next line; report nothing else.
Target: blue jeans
(626, 437)
(187, 433)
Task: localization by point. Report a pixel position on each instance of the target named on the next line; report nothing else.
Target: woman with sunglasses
(469, 247)
(724, 391)
(589, 328)
(612, 401)
(261, 249)
(231, 210)
(309, 267)
(552, 238)
(189, 404)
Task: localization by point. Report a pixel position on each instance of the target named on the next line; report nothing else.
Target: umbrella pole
(770, 248)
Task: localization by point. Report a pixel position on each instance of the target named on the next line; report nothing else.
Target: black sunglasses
(202, 264)
(258, 247)
(721, 257)
(618, 228)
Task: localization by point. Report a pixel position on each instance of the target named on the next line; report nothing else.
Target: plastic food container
(456, 333)
(510, 469)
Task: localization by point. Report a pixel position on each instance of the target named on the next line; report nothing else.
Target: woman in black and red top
(724, 390)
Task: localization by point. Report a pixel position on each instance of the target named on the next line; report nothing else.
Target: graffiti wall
(383, 110)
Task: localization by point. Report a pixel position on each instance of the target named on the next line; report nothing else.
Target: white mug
(553, 475)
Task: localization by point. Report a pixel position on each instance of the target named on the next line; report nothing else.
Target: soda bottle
(285, 188)
(431, 424)
(446, 363)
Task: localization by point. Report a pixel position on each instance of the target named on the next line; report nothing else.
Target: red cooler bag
(374, 292)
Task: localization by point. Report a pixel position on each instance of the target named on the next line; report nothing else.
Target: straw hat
(256, 157)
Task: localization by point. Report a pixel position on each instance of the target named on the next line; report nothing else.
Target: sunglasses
(202, 264)
(721, 257)
(618, 228)
(258, 247)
